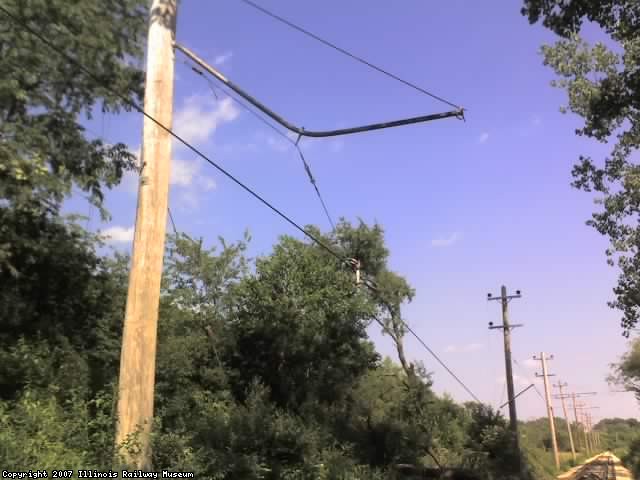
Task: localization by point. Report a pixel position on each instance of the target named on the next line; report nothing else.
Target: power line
(347, 53)
(139, 109)
(173, 223)
(517, 395)
(266, 122)
(504, 387)
(535, 387)
(433, 354)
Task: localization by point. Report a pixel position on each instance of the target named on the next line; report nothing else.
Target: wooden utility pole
(587, 446)
(138, 355)
(506, 330)
(588, 433)
(573, 396)
(560, 385)
(594, 441)
(586, 425)
(552, 426)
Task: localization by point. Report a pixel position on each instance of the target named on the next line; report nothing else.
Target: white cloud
(237, 148)
(531, 363)
(470, 347)
(182, 172)
(222, 59)
(201, 115)
(189, 200)
(207, 183)
(135, 151)
(445, 242)
(483, 137)
(117, 234)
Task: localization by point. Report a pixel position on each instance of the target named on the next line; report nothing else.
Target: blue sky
(467, 206)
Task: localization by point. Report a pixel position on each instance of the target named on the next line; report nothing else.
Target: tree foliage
(44, 152)
(626, 373)
(603, 86)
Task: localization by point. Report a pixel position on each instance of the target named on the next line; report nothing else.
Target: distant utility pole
(506, 330)
(587, 434)
(560, 385)
(586, 418)
(552, 426)
(575, 409)
(594, 436)
(138, 355)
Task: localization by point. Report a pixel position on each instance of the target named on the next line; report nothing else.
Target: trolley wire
(434, 355)
(528, 379)
(347, 53)
(195, 150)
(313, 133)
(200, 154)
(266, 122)
(173, 222)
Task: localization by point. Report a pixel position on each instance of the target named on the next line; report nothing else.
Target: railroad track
(602, 468)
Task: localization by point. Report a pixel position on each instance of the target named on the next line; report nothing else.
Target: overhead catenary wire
(266, 122)
(434, 355)
(173, 222)
(517, 395)
(348, 53)
(535, 387)
(504, 387)
(195, 150)
(313, 133)
(200, 154)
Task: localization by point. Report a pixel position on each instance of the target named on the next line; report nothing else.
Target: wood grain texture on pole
(138, 355)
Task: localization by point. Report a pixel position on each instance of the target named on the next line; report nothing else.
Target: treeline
(264, 368)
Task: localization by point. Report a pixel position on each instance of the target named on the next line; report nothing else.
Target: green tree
(44, 152)
(55, 289)
(300, 327)
(603, 87)
(626, 373)
(61, 304)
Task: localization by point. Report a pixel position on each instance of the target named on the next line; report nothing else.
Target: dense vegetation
(265, 369)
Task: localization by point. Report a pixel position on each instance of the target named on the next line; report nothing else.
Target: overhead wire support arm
(313, 133)
(517, 395)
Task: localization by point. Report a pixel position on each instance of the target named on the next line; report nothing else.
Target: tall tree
(603, 87)
(44, 152)
(626, 373)
(54, 289)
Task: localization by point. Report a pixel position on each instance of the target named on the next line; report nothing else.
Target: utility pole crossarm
(517, 395)
(311, 133)
(511, 326)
